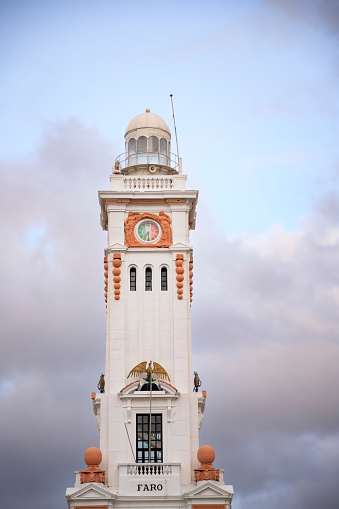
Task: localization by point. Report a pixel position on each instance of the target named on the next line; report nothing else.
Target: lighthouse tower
(149, 408)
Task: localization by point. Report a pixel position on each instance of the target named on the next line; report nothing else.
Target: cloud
(52, 311)
(323, 13)
(268, 306)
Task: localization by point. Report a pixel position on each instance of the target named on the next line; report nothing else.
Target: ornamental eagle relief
(164, 221)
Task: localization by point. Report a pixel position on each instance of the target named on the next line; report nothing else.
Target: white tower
(148, 214)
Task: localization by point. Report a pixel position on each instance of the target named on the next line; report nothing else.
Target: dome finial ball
(93, 456)
(206, 454)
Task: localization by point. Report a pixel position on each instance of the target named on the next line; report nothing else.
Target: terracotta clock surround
(162, 219)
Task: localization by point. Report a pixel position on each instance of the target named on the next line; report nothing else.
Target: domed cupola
(147, 146)
(147, 124)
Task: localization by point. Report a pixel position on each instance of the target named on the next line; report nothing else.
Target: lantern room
(147, 147)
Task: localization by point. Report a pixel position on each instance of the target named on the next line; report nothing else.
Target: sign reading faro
(150, 487)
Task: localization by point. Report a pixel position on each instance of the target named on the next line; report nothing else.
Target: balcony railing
(128, 159)
(149, 469)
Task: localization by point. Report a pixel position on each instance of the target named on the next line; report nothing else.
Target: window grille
(164, 279)
(133, 279)
(148, 279)
(143, 436)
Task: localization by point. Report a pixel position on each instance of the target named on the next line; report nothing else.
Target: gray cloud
(267, 351)
(52, 312)
(324, 13)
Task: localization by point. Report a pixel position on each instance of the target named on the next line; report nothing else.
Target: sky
(256, 98)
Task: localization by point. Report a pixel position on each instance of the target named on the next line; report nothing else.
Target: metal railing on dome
(126, 160)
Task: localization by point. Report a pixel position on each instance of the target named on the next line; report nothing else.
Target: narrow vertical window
(132, 146)
(153, 150)
(148, 279)
(142, 150)
(164, 279)
(132, 149)
(163, 158)
(133, 279)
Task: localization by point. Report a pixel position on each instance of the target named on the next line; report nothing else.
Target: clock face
(148, 231)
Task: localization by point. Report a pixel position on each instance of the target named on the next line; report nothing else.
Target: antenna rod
(175, 129)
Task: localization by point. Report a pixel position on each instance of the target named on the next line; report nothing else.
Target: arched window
(132, 148)
(153, 144)
(164, 279)
(142, 150)
(163, 146)
(153, 150)
(142, 145)
(163, 152)
(148, 279)
(133, 279)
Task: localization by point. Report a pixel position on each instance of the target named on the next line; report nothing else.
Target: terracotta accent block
(191, 278)
(163, 219)
(92, 507)
(180, 278)
(116, 273)
(87, 476)
(132, 200)
(204, 394)
(93, 395)
(208, 506)
(206, 474)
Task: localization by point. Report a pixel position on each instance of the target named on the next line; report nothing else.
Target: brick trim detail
(209, 506)
(92, 507)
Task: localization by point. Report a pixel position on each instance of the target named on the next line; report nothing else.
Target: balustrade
(149, 469)
(148, 183)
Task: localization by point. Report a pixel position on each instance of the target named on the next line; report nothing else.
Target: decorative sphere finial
(206, 454)
(148, 110)
(93, 456)
(206, 471)
(93, 472)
